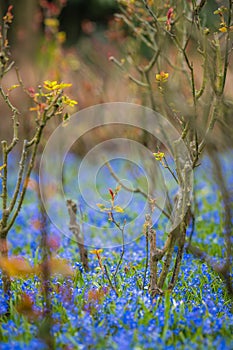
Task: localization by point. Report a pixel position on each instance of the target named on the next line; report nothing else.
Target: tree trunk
(5, 277)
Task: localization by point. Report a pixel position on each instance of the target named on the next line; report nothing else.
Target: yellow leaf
(13, 87)
(223, 29)
(51, 22)
(103, 208)
(117, 188)
(161, 77)
(66, 100)
(158, 155)
(96, 251)
(118, 209)
(61, 37)
(54, 85)
(100, 206)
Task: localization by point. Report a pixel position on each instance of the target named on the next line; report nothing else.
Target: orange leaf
(58, 266)
(16, 266)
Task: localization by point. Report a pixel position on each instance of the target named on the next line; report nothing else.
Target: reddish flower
(9, 16)
(31, 91)
(111, 193)
(53, 242)
(170, 14)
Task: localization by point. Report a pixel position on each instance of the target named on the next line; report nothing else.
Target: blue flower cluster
(87, 313)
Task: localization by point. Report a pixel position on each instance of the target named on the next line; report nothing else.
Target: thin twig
(170, 170)
(122, 229)
(133, 190)
(109, 280)
(75, 228)
(147, 260)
